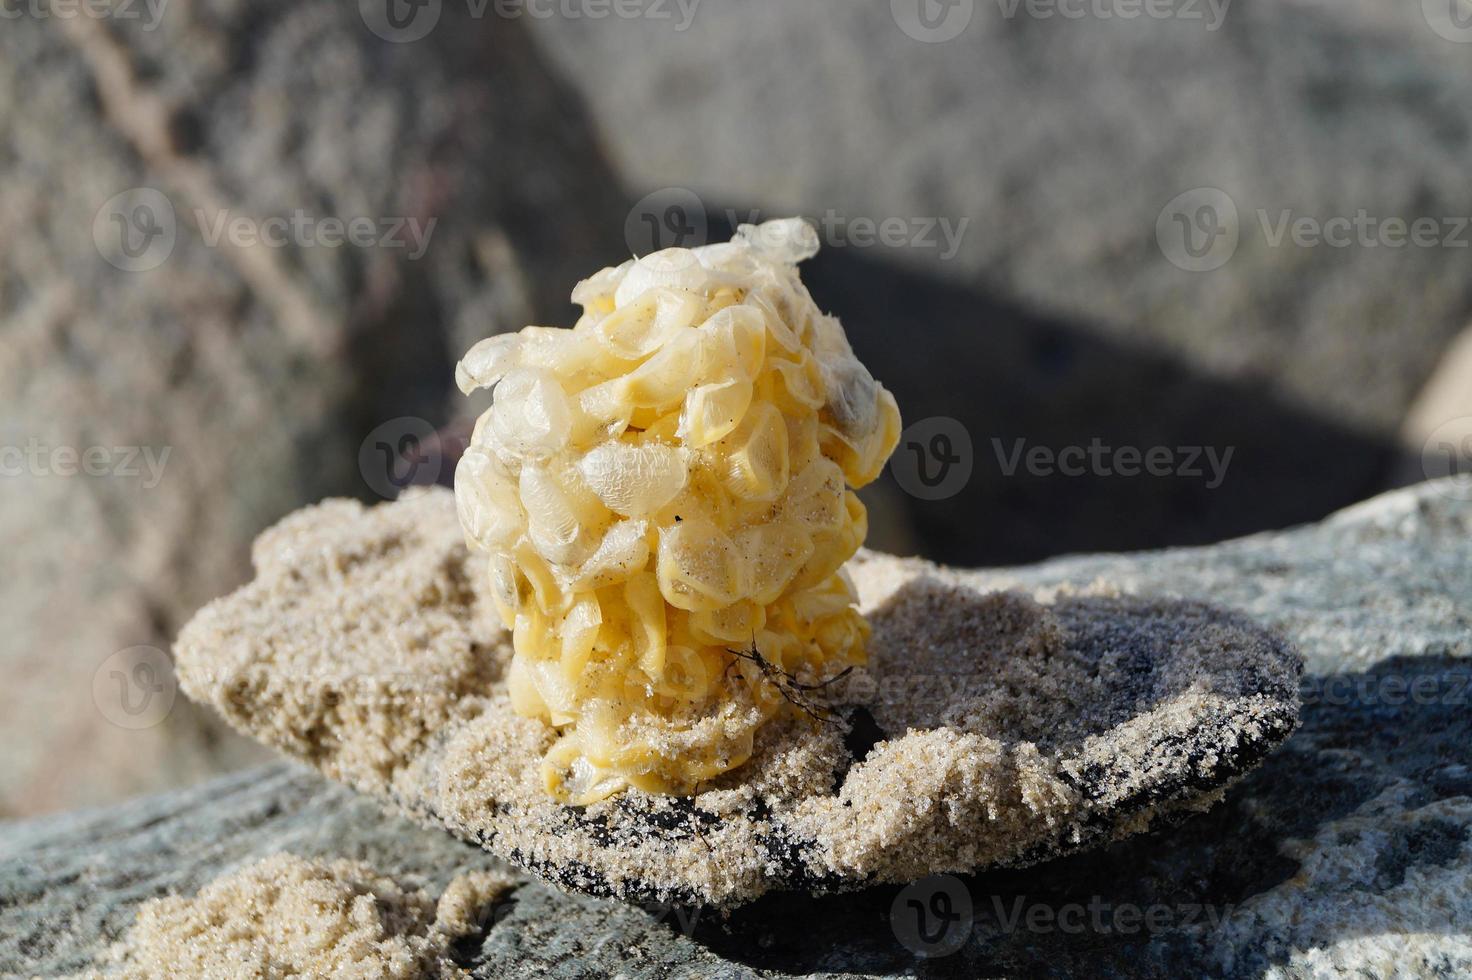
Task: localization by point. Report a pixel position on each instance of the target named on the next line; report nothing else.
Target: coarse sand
(287, 916)
(989, 728)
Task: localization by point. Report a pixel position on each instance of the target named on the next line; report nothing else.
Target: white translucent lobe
(531, 414)
(634, 480)
(674, 267)
(487, 362)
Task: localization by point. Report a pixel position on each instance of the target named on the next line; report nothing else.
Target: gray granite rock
(250, 375)
(261, 376)
(1347, 853)
(1060, 132)
(1061, 135)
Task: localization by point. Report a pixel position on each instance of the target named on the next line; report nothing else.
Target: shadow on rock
(1020, 381)
(1036, 394)
(1153, 905)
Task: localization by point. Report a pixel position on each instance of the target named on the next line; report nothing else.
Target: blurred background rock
(544, 147)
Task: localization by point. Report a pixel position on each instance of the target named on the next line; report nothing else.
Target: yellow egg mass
(664, 493)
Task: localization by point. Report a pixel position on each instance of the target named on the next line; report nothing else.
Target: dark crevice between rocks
(797, 933)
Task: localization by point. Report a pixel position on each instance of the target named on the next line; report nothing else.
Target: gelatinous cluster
(663, 492)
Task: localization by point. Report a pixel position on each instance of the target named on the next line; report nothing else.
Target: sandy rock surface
(988, 728)
(1346, 851)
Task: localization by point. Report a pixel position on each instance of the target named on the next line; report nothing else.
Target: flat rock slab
(1345, 853)
(989, 729)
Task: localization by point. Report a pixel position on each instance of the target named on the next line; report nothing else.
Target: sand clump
(988, 728)
(288, 916)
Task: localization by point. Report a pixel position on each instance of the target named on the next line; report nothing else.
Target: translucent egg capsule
(699, 566)
(564, 520)
(772, 554)
(802, 382)
(678, 268)
(649, 622)
(579, 630)
(733, 625)
(733, 344)
(634, 480)
(714, 410)
(664, 493)
(595, 294)
(488, 361)
(638, 329)
(531, 415)
(487, 500)
(662, 381)
(753, 458)
(622, 552)
(815, 498)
